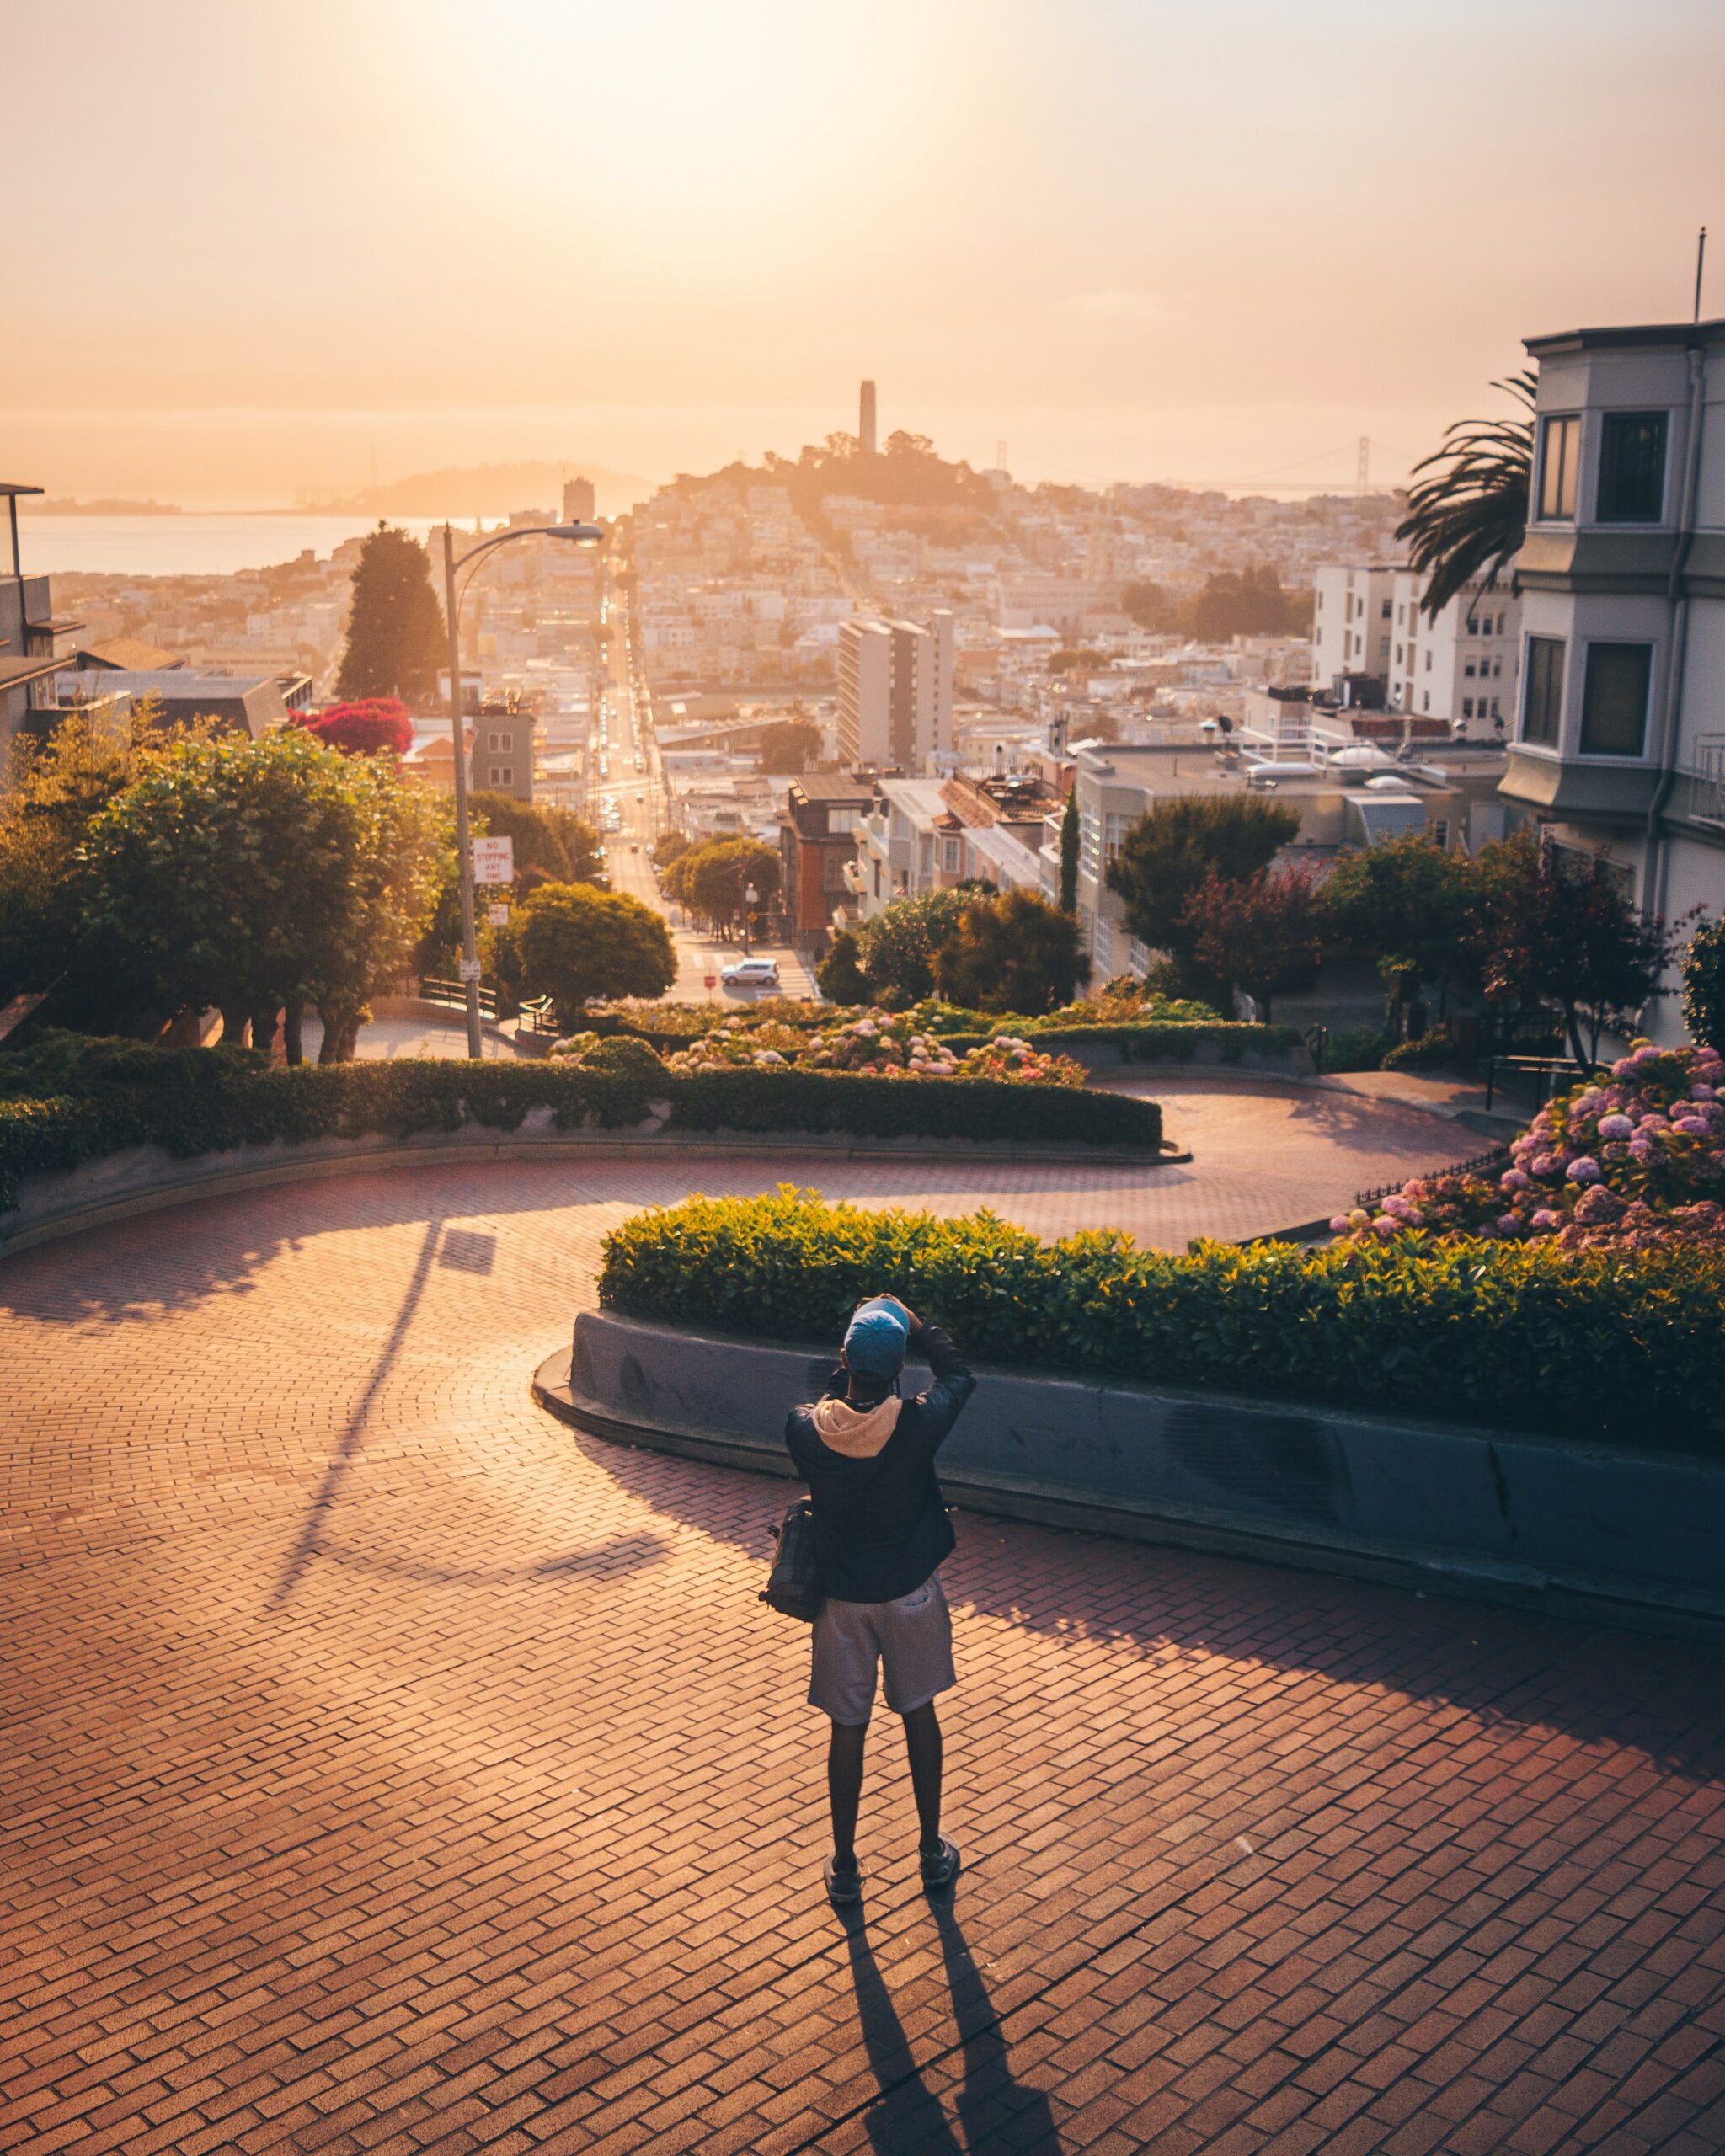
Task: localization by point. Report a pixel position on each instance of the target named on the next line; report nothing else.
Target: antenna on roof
(1701, 256)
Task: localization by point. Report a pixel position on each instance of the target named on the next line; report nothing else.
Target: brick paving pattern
(386, 1769)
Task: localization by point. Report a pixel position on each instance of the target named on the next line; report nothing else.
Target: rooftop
(1629, 335)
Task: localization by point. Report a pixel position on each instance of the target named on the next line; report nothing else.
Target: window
(1542, 706)
(1631, 467)
(1399, 654)
(1560, 443)
(1614, 699)
(501, 774)
(1473, 625)
(1426, 701)
(1386, 610)
(495, 740)
(1496, 712)
(950, 854)
(1427, 658)
(1440, 834)
(1467, 706)
(1469, 669)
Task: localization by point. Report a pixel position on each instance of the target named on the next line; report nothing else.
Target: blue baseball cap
(875, 1340)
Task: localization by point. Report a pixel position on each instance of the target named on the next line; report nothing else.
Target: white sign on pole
(470, 970)
(493, 861)
(497, 915)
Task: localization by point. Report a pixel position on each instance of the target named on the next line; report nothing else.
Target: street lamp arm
(464, 855)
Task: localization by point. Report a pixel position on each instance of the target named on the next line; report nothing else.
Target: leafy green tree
(1704, 986)
(396, 637)
(552, 845)
(1150, 606)
(1406, 904)
(839, 976)
(47, 940)
(669, 846)
(1467, 514)
(793, 744)
(1169, 851)
(577, 942)
(1069, 835)
(1262, 934)
(259, 876)
(899, 944)
(711, 878)
(1242, 603)
(1013, 952)
(1554, 929)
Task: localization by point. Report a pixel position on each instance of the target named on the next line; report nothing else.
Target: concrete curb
(1483, 1515)
(145, 1179)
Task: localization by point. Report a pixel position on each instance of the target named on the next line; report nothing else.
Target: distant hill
(49, 506)
(485, 490)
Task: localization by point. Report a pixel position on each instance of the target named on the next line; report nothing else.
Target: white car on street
(750, 973)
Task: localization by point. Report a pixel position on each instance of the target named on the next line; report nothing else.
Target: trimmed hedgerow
(197, 1102)
(1519, 1337)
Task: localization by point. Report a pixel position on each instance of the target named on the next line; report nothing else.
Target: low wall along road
(1634, 1535)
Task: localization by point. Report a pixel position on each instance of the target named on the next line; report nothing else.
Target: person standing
(881, 1535)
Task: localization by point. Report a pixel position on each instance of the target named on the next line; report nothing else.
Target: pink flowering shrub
(1633, 1158)
(873, 1043)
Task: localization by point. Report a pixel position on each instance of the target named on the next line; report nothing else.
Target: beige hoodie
(857, 1432)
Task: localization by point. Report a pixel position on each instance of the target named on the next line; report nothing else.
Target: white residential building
(897, 853)
(896, 690)
(1461, 668)
(1620, 746)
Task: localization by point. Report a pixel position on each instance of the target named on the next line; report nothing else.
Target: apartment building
(502, 756)
(33, 643)
(1620, 743)
(896, 690)
(1461, 667)
(817, 841)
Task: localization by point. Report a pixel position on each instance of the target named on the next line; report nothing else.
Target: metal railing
(1493, 1156)
(537, 1016)
(453, 993)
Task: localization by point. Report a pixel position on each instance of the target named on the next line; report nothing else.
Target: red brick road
(384, 1770)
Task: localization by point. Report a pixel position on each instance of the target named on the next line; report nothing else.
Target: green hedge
(909, 1108)
(1157, 1042)
(1520, 1336)
(197, 1102)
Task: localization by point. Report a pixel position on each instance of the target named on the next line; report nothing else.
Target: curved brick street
(385, 1769)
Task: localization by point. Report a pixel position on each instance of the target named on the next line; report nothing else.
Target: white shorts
(910, 1641)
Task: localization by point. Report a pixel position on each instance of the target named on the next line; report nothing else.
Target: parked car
(750, 973)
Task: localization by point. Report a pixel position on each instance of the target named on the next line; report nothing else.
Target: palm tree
(1469, 516)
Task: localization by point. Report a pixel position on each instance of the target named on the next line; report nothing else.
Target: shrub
(1430, 1052)
(203, 1102)
(1356, 1048)
(1622, 1160)
(840, 976)
(633, 1058)
(1526, 1337)
(1704, 986)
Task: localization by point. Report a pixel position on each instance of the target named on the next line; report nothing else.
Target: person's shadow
(908, 2119)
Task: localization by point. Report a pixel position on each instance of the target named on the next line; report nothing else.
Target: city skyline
(1133, 242)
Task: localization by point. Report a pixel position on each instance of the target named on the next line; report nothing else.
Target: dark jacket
(880, 1523)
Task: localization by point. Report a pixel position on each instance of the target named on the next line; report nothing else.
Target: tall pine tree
(395, 639)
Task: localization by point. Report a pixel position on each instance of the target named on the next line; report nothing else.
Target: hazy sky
(248, 242)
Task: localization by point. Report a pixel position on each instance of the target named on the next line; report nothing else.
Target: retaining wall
(1636, 1535)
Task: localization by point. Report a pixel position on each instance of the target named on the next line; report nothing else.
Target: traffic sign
(470, 970)
(493, 861)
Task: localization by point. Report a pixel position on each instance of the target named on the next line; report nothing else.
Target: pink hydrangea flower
(1615, 1126)
(1514, 1179)
(1649, 1054)
(1624, 1067)
(1692, 1124)
(1547, 1163)
(1545, 1218)
(1701, 1092)
(1509, 1224)
(1339, 1224)
(1584, 1169)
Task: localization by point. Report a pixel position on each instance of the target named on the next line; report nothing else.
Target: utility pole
(1701, 256)
(463, 842)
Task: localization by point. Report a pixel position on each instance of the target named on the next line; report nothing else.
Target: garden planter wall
(1585, 1528)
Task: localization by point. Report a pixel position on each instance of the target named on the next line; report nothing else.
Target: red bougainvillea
(374, 726)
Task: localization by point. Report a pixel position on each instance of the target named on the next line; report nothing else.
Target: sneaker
(843, 1887)
(941, 1869)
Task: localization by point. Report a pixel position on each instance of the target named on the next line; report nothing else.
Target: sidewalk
(1459, 1099)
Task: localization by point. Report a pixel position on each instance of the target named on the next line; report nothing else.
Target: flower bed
(1526, 1337)
(1622, 1162)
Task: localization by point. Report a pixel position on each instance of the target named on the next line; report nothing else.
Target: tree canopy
(1407, 903)
(576, 942)
(1170, 850)
(899, 944)
(1011, 952)
(712, 878)
(1262, 934)
(1468, 506)
(793, 744)
(839, 976)
(255, 875)
(396, 637)
(552, 844)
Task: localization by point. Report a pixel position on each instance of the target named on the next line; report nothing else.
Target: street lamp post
(463, 840)
(749, 896)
